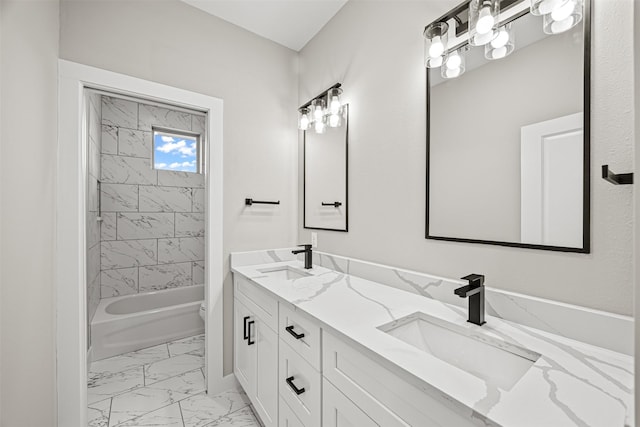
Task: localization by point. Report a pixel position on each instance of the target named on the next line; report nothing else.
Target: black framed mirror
(508, 140)
(326, 177)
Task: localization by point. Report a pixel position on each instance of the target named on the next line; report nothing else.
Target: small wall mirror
(508, 142)
(326, 204)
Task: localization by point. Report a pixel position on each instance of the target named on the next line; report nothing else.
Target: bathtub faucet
(307, 255)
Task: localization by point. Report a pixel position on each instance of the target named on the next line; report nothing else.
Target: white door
(552, 182)
(266, 382)
(244, 354)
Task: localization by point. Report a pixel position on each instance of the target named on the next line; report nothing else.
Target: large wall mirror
(326, 203)
(508, 140)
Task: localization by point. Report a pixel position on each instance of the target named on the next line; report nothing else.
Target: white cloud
(160, 165)
(177, 165)
(179, 147)
(167, 138)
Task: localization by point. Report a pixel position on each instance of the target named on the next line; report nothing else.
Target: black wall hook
(250, 202)
(617, 179)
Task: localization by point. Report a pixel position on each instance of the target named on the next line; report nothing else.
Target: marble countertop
(571, 384)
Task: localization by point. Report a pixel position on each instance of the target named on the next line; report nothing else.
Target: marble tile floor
(161, 386)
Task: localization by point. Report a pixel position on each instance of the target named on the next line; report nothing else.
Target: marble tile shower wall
(93, 224)
(152, 234)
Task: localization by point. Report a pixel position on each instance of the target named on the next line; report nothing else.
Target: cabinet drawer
(257, 300)
(338, 411)
(386, 398)
(287, 417)
(296, 373)
(293, 323)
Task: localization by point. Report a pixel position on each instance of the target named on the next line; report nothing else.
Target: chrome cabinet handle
(297, 390)
(293, 333)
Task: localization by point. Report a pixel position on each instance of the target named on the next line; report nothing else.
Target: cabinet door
(266, 380)
(339, 411)
(244, 354)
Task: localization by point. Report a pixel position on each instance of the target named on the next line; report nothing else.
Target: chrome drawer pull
(297, 390)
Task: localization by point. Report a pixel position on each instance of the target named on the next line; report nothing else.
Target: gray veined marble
(129, 253)
(123, 281)
(241, 418)
(201, 410)
(157, 116)
(127, 361)
(198, 124)
(164, 276)
(198, 272)
(108, 226)
(180, 249)
(167, 416)
(98, 413)
(134, 143)
(186, 345)
(100, 387)
(109, 143)
(145, 225)
(165, 369)
(127, 170)
(141, 401)
(198, 200)
(165, 199)
(119, 197)
(189, 224)
(180, 179)
(119, 112)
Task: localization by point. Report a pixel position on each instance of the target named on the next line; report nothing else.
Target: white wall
(172, 43)
(28, 58)
(376, 50)
(636, 137)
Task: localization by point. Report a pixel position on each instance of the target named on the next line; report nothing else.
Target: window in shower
(175, 150)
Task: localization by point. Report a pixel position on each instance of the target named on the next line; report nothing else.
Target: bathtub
(132, 322)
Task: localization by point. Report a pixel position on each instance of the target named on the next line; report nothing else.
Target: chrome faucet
(475, 291)
(308, 256)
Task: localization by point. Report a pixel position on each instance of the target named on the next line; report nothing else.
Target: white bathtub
(133, 322)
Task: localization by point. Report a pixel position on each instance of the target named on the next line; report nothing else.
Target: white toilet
(202, 310)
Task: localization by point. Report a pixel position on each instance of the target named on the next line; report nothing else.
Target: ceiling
(291, 23)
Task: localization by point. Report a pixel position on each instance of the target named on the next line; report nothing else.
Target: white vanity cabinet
(256, 348)
(299, 375)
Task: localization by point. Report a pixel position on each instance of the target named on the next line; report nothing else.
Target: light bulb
(334, 120)
(548, 6)
(437, 47)
(319, 126)
(485, 20)
(558, 27)
(563, 12)
(499, 53)
(435, 62)
(451, 73)
(454, 61)
(304, 122)
(501, 39)
(317, 113)
(482, 39)
(334, 106)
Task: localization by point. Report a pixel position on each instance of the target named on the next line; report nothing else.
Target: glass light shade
(303, 121)
(563, 18)
(483, 20)
(333, 97)
(435, 44)
(543, 7)
(454, 64)
(317, 109)
(319, 125)
(502, 45)
(335, 120)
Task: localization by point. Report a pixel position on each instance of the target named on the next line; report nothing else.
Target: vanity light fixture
(435, 44)
(488, 23)
(324, 110)
(502, 45)
(483, 20)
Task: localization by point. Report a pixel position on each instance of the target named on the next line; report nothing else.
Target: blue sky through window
(175, 152)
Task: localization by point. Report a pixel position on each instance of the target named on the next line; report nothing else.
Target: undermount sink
(491, 359)
(283, 273)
